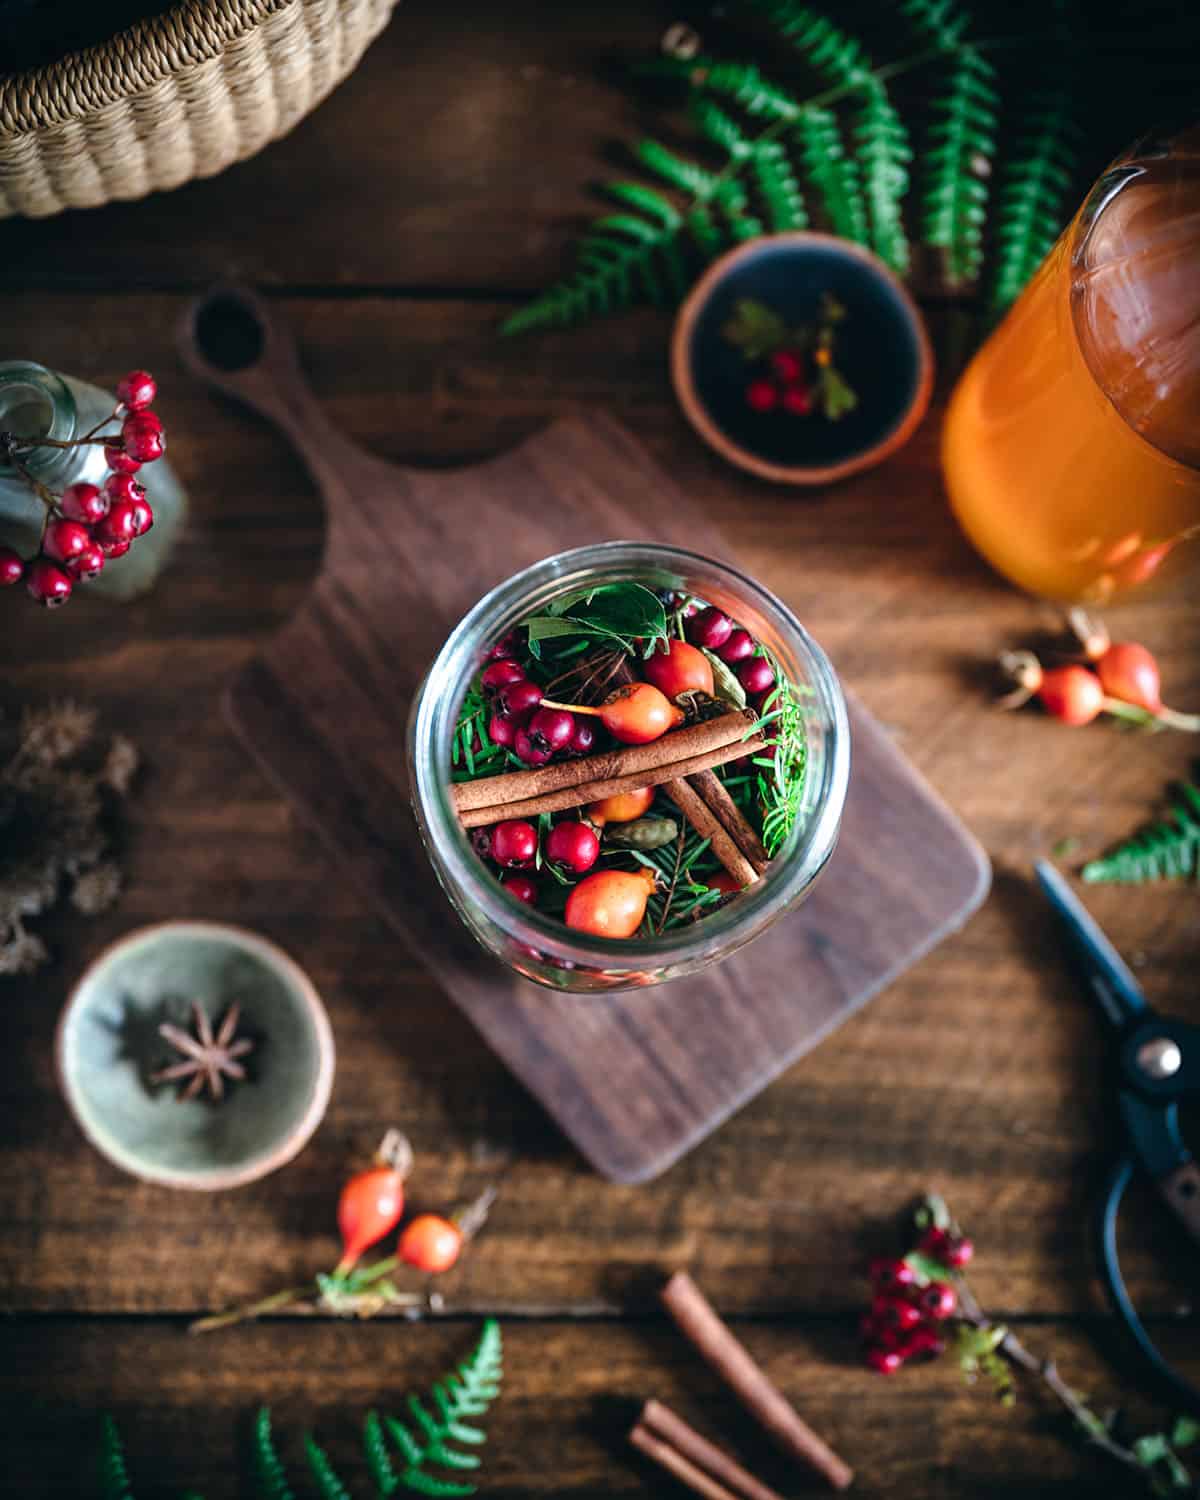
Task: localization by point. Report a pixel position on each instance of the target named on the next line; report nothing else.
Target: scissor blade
(1103, 969)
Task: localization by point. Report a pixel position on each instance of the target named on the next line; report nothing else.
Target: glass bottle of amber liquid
(1072, 443)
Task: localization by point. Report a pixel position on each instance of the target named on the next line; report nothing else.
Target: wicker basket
(208, 83)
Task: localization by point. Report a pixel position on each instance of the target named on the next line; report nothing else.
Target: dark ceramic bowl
(882, 349)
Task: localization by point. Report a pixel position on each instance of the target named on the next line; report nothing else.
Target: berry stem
(1173, 719)
(572, 708)
(1134, 714)
(250, 1310)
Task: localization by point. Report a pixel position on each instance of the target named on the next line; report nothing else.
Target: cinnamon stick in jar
(714, 792)
(702, 818)
(715, 1342)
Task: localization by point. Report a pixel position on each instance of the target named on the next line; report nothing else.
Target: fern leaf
(746, 86)
(1035, 181)
(720, 128)
(647, 200)
(114, 1475)
(269, 1474)
(778, 187)
(733, 202)
(447, 1410)
(707, 236)
(379, 1460)
(880, 137)
(410, 1450)
(1166, 850)
(833, 172)
(688, 176)
(329, 1486)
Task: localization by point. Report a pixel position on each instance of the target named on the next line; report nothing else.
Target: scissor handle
(1180, 1388)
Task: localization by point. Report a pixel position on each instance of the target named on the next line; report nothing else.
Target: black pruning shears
(1158, 1065)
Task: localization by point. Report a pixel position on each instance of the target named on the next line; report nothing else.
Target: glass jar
(1072, 442)
(36, 402)
(538, 946)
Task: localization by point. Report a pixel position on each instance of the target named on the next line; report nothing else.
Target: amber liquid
(1048, 479)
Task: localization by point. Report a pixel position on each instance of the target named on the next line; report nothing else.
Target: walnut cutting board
(634, 1079)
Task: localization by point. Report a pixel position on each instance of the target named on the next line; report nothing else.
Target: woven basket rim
(187, 34)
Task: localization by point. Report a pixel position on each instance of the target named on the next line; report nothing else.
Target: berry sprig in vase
(86, 497)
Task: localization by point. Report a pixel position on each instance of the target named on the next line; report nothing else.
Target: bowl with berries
(801, 358)
(626, 762)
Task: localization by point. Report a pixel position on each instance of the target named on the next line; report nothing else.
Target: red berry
(761, 395)
(797, 401)
(138, 389)
(574, 846)
(1129, 672)
(507, 645)
(896, 1312)
(85, 503)
(372, 1202)
(499, 673)
(517, 700)
(934, 1242)
(887, 1274)
(710, 628)
(960, 1252)
(514, 843)
(551, 728)
(787, 365)
(430, 1243)
(501, 731)
(756, 675)
(123, 487)
(118, 460)
(143, 516)
(118, 526)
(12, 567)
(738, 647)
(47, 583)
(142, 437)
(520, 887)
(582, 739)
(938, 1300)
(528, 752)
(114, 549)
(923, 1342)
(1072, 694)
(885, 1361)
(89, 563)
(65, 539)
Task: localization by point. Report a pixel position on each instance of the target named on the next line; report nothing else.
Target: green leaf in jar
(642, 833)
(623, 612)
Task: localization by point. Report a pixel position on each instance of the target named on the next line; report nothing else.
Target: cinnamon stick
(713, 790)
(717, 1344)
(664, 1426)
(684, 1470)
(608, 765)
(698, 813)
(554, 796)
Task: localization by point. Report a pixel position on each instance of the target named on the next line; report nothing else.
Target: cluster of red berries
(519, 722)
(572, 846)
(90, 524)
(737, 648)
(784, 388)
(907, 1310)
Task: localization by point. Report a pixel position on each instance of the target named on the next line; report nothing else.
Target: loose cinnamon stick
(713, 790)
(716, 1343)
(558, 797)
(698, 813)
(608, 765)
(684, 1470)
(661, 1423)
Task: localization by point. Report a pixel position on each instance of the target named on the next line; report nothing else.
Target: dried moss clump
(59, 783)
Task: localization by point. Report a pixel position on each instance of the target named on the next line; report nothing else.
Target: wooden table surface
(440, 184)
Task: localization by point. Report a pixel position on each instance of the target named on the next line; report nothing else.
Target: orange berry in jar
(639, 713)
(623, 808)
(681, 668)
(610, 903)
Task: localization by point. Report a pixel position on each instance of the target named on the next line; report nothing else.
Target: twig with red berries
(923, 1305)
(797, 374)
(1120, 678)
(370, 1207)
(88, 525)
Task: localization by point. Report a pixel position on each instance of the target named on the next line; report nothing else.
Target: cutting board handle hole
(229, 334)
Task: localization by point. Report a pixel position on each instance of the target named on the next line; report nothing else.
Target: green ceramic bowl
(109, 1047)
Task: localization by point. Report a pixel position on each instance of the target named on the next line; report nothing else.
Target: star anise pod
(208, 1057)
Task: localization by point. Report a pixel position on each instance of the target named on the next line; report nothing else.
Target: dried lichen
(58, 784)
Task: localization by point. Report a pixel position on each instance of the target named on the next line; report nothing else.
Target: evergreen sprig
(1165, 850)
(434, 1438)
(786, 161)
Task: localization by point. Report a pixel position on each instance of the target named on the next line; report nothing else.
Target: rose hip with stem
(635, 714)
(372, 1202)
(433, 1244)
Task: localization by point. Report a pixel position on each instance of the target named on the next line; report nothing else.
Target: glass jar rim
(433, 719)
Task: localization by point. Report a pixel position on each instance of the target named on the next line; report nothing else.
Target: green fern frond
(114, 1475)
(269, 1474)
(646, 200)
(1166, 850)
(1034, 184)
(733, 202)
(688, 176)
(720, 128)
(379, 1461)
(747, 87)
(960, 144)
(325, 1477)
(778, 187)
(832, 171)
(879, 134)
